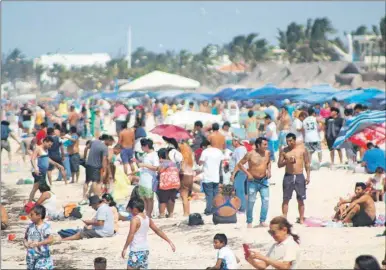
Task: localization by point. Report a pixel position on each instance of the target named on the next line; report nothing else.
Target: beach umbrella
(374, 134)
(266, 91)
(359, 123)
(171, 131)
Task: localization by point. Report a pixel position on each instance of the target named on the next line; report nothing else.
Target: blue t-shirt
(140, 133)
(374, 158)
(5, 130)
(54, 151)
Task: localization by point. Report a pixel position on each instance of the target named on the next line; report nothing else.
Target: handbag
(169, 179)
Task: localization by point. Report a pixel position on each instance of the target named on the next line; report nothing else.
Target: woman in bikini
(186, 175)
(226, 206)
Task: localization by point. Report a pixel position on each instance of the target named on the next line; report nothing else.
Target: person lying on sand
(361, 209)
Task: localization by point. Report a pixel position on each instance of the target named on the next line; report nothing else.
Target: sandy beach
(321, 247)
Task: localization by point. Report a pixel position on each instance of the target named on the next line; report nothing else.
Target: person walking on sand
(127, 141)
(96, 164)
(40, 163)
(294, 159)
(73, 153)
(73, 117)
(258, 173)
(137, 238)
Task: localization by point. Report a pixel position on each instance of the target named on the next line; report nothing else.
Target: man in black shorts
(55, 153)
(295, 159)
(361, 210)
(96, 164)
(333, 126)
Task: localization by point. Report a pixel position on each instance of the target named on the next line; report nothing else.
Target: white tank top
(311, 133)
(139, 242)
(50, 204)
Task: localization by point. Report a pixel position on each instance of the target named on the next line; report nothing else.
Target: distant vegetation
(309, 42)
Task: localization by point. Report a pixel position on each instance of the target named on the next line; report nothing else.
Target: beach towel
(67, 233)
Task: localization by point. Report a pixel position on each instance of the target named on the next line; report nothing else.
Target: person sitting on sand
(226, 206)
(4, 218)
(108, 199)
(373, 158)
(47, 199)
(226, 259)
(377, 183)
(284, 254)
(101, 226)
(361, 211)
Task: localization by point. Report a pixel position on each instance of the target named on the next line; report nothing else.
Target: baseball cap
(94, 200)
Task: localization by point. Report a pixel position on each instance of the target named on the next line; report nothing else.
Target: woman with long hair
(109, 200)
(186, 175)
(226, 206)
(284, 254)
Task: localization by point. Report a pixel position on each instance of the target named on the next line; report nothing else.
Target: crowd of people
(228, 169)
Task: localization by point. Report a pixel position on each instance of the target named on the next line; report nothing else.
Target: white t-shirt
(286, 251)
(228, 258)
(211, 158)
(297, 124)
(106, 214)
(271, 132)
(151, 159)
(311, 133)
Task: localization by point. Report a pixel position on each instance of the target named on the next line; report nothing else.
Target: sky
(101, 27)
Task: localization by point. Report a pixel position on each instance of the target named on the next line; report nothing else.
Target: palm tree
(247, 49)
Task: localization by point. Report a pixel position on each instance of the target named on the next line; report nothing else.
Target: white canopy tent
(158, 80)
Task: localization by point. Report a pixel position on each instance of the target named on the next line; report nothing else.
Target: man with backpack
(6, 132)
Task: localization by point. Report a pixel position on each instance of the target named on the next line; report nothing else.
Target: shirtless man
(73, 154)
(361, 209)
(295, 159)
(216, 139)
(258, 173)
(284, 126)
(127, 142)
(73, 117)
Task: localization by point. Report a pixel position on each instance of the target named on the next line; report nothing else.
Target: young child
(100, 263)
(137, 238)
(377, 183)
(37, 238)
(226, 259)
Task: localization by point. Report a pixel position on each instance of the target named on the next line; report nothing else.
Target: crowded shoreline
(316, 246)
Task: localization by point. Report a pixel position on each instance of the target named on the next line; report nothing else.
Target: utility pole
(128, 56)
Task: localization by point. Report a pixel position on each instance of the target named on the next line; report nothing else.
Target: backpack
(169, 179)
(195, 219)
(68, 209)
(75, 213)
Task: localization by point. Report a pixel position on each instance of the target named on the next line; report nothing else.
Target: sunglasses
(272, 232)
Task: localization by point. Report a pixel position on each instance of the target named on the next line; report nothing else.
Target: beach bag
(195, 219)
(68, 209)
(169, 179)
(67, 233)
(75, 213)
(28, 207)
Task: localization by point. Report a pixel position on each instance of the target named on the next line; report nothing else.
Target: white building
(73, 60)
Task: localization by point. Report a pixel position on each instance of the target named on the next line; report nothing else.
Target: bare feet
(249, 226)
(263, 225)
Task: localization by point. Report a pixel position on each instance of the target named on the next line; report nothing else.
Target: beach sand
(321, 247)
